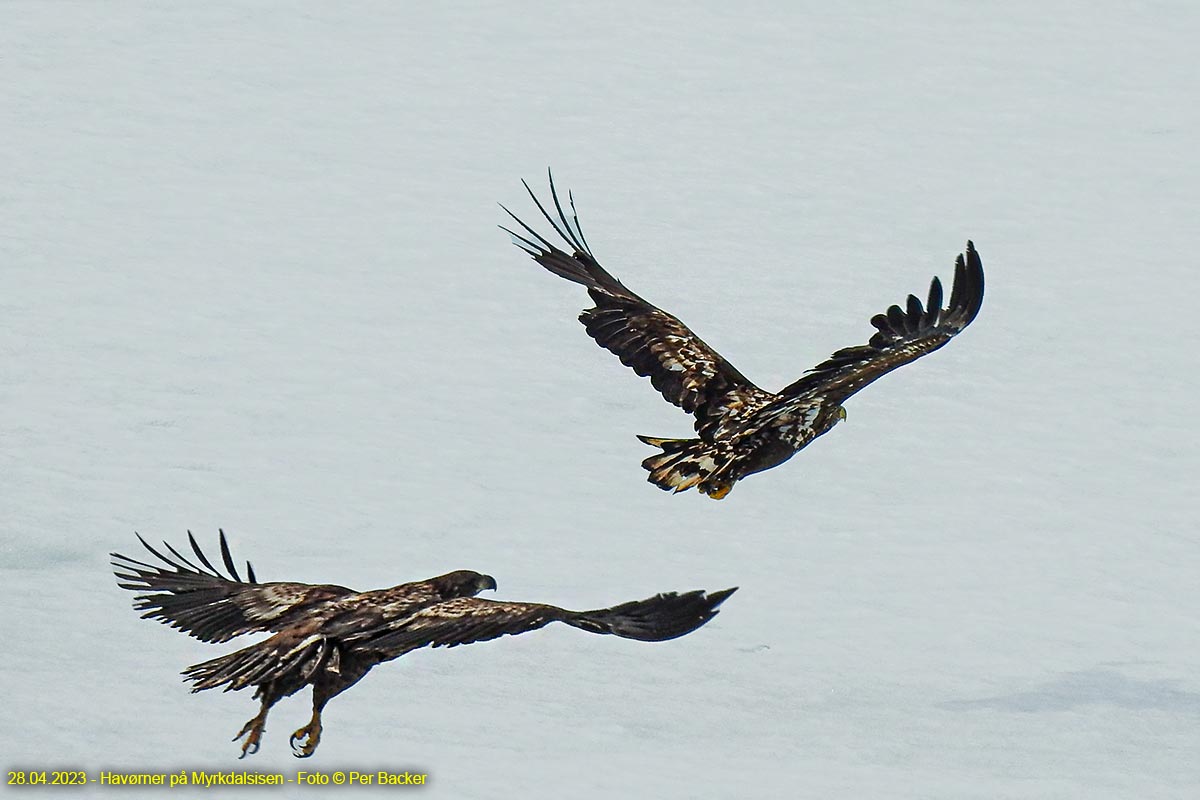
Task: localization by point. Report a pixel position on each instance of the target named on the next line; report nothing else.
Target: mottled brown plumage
(741, 428)
(329, 636)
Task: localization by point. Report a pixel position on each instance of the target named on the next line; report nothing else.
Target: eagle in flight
(741, 428)
(329, 637)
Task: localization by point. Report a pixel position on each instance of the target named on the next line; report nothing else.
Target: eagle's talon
(310, 734)
(719, 492)
(253, 731)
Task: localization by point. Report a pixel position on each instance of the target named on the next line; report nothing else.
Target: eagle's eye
(842, 413)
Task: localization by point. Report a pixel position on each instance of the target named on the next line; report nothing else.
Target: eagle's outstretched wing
(687, 372)
(471, 619)
(200, 601)
(904, 335)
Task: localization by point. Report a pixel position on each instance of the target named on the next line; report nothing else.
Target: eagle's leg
(253, 729)
(311, 733)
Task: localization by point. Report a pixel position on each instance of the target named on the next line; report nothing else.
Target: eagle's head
(463, 583)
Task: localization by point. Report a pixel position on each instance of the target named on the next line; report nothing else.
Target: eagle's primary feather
(741, 429)
(329, 636)
(202, 602)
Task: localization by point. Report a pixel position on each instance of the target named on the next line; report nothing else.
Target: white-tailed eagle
(741, 428)
(329, 637)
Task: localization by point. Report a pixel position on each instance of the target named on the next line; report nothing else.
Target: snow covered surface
(252, 279)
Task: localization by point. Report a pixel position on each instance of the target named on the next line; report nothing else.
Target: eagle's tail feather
(655, 619)
(684, 463)
(225, 670)
(269, 660)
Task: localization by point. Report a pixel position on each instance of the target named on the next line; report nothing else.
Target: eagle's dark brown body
(741, 429)
(328, 637)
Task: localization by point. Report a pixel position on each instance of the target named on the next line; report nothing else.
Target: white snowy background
(250, 278)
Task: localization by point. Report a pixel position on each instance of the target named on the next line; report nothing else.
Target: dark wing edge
(202, 602)
(581, 267)
(902, 335)
(468, 620)
(655, 344)
(655, 619)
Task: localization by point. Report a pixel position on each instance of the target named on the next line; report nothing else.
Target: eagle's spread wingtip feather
(973, 283)
(575, 241)
(716, 598)
(933, 307)
(546, 214)
(200, 553)
(535, 249)
(578, 227)
(228, 558)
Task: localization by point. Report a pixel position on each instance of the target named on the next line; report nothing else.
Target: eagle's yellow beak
(842, 413)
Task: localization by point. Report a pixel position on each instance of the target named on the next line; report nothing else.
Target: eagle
(741, 429)
(328, 637)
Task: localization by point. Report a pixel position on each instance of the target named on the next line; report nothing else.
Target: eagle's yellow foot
(253, 731)
(311, 734)
(721, 491)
